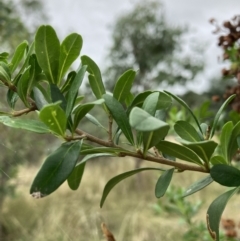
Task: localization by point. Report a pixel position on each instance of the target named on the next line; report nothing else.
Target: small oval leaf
(163, 183)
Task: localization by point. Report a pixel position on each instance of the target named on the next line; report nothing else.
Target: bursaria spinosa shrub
(40, 76)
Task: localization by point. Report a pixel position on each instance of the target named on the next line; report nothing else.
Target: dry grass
(76, 216)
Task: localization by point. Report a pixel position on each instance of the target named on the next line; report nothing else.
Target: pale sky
(93, 19)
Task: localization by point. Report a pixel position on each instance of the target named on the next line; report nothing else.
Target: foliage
(43, 82)
(142, 38)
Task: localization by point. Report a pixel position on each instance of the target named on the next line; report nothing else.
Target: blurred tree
(18, 18)
(142, 39)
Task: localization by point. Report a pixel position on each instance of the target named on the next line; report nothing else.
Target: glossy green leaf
(199, 185)
(142, 121)
(56, 95)
(225, 138)
(181, 152)
(232, 146)
(39, 97)
(150, 103)
(114, 181)
(129, 99)
(217, 116)
(22, 86)
(186, 131)
(4, 56)
(69, 51)
(215, 211)
(56, 169)
(12, 98)
(95, 77)
(163, 183)
(120, 116)
(82, 110)
(30, 125)
(164, 101)
(18, 56)
(73, 91)
(75, 177)
(123, 85)
(67, 84)
(205, 130)
(54, 117)
(185, 105)
(47, 48)
(25, 64)
(138, 100)
(5, 74)
(92, 119)
(152, 138)
(203, 149)
(218, 160)
(225, 175)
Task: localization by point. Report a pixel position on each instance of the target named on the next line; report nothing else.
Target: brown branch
(160, 160)
(24, 111)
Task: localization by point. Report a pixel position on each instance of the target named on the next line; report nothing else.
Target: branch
(23, 112)
(160, 160)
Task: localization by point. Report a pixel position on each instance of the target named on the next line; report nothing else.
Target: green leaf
(164, 101)
(185, 105)
(75, 177)
(142, 121)
(12, 98)
(30, 125)
(152, 138)
(163, 183)
(186, 131)
(123, 85)
(5, 74)
(181, 152)
(39, 98)
(95, 77)
(18, 56)
(69, 51)
(150, 103)
(217, 160)
(92, 119)
(82, 110)
(47, 48)
(120, 116)
(203, 149)
(220, 111)
(197, 186)
(232, 146)
(114, 181)
(225, 138)
(56, 169)
(22, 86)
(215, 211)
(56, 95)
(25, 64)
(54, 117)
(73, 91)
(67, 84)
(225, 175)
(138, 100)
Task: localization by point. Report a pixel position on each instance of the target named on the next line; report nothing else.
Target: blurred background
(173, 46)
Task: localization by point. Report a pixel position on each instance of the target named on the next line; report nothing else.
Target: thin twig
(24, 111)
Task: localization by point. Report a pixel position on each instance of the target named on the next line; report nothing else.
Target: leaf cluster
(40, 76)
